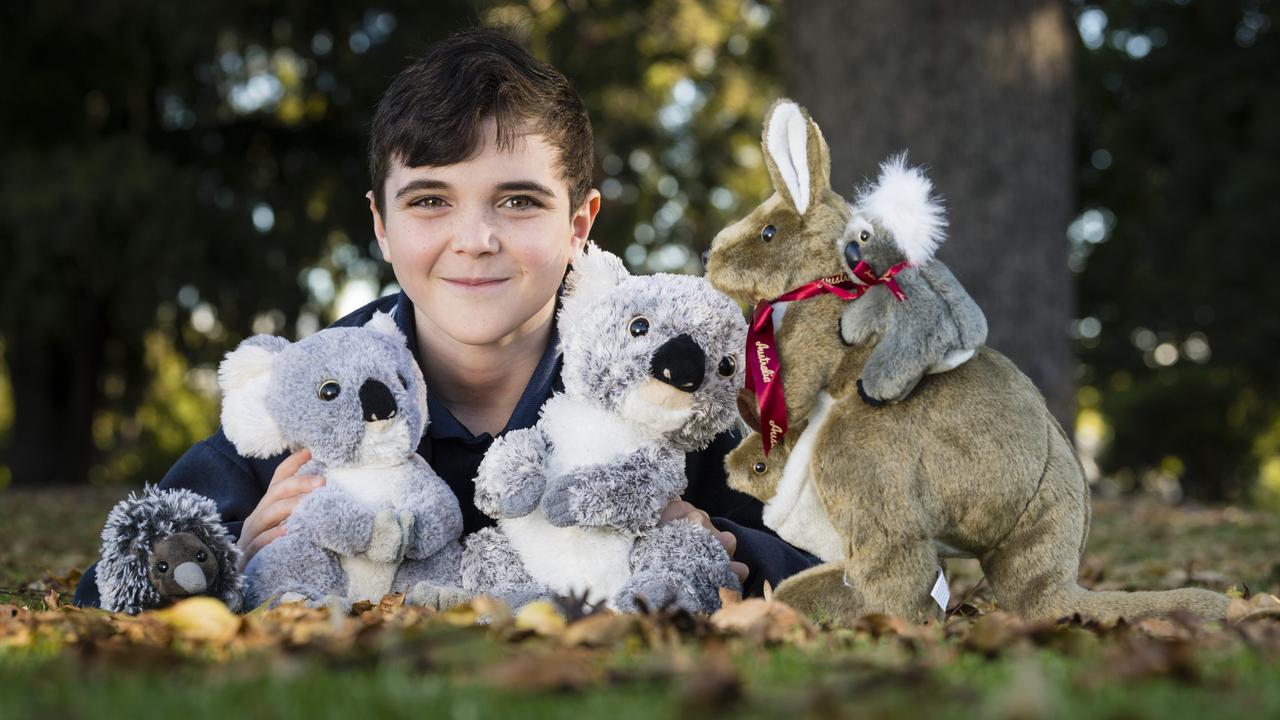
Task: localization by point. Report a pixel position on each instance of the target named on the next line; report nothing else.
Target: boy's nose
(376, 401)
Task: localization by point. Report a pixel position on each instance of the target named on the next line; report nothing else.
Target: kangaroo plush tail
(1110, 605)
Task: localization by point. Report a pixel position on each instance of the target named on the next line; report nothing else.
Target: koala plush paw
(862, 393)
(436, 597)
(557, 506)
(655, 593)
(386, 543)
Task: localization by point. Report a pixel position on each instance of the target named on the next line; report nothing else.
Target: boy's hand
(681, 510)
(267, 521)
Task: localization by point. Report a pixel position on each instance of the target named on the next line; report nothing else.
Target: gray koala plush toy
(383, 522)
(935, 325)
(651, 371)
(165, 545)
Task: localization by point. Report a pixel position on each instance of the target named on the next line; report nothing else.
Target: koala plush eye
(727, 366)
(329, 390)
(403, 382)
(162, 566)
(767, 232)
(201, 556)
(760, 468)
(864, 236)
(639, 326)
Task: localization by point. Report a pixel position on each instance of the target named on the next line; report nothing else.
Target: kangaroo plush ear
(796, 155)
(244, 376)
(902, 201)
(594, 273)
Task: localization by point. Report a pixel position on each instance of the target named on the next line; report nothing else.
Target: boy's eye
(520, 202)
(432, 201)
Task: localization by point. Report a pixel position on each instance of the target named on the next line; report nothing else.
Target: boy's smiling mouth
(476, 283)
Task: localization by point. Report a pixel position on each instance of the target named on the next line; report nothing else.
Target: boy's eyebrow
(526, 186)
(421, 184)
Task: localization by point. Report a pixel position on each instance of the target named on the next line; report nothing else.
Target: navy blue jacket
(214, 469)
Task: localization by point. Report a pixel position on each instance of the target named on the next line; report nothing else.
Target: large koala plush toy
(383, 522)
(652, 368)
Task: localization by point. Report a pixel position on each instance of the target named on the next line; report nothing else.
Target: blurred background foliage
(177, 176)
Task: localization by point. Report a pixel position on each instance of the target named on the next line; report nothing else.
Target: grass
(991, 666)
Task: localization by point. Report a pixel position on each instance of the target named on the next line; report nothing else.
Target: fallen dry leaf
(764, 620)
(201, 618)
(1262, 605)
(541, 617)
(602, 629)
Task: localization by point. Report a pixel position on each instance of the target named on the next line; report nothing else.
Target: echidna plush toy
(165, 545)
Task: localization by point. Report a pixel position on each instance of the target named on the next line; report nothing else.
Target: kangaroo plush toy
(384, 521)
(907, 440)
(652, 366)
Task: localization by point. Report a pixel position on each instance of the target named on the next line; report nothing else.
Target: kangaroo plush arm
(628, 493)
(511, 478)
(437, 519)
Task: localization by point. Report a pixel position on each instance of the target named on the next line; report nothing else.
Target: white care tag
(941, 592)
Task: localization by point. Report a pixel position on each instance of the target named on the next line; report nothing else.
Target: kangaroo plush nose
(679, 363)
(376, 401)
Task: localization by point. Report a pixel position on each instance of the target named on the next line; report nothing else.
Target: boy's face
(481, 246)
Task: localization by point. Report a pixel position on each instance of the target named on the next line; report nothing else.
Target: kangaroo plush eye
(162, 566)
(767, 232)
(201, 556)
(760, 468)
(639, 326)
(727, 366)
(329, 390)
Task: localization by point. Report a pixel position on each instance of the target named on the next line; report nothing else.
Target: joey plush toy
(383, 521)
(162, 546)
(652, 366)
(880, 483)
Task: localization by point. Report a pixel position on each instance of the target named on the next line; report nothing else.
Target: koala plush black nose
(852, 254)
(376, 401)
(679, 363)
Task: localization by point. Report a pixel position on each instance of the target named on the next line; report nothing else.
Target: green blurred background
(175, 176)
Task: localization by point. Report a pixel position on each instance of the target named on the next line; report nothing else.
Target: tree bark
(981, 94)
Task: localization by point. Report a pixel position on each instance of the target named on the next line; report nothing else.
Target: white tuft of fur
(902, 201)
(385, 324)
(244, 376)
(595, 272)
(787, 142)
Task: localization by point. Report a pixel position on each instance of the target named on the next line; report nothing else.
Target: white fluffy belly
(795, 512)
(571, 559)
(377, 489)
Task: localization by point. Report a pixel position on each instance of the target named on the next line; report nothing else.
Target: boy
(481, 159)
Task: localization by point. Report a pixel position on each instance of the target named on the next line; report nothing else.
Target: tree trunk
(981, 94)
(54, 390)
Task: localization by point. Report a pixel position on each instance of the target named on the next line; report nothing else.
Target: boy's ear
(796, 155)
(583, 218)
(379, 227)
(245, 376)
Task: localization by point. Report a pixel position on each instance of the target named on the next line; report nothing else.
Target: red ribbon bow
(764, 366)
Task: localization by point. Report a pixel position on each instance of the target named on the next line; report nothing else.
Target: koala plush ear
(594, 273)
(902, 201)
(244, 376)
(385, 324)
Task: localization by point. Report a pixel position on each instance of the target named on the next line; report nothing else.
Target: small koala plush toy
(651, 371)
(165, 545)
(928, 323)
(383, 522)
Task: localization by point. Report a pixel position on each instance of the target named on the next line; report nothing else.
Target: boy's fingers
(279, 511)
(700, 517)
(290, 487)
(675, 509)
(728, 540)
(291, 465)
(262, 540)
(739, 569)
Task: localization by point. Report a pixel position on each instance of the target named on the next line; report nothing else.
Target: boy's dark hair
(434, 110)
